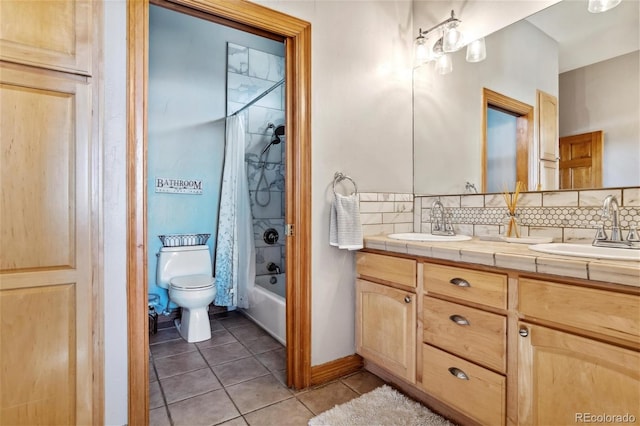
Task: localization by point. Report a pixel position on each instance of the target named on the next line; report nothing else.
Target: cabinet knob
(407, 299)
(458, 373)
(524, 331)
(460, 282)
(459, 319)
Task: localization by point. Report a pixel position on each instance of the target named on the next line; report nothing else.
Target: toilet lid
(192, 282)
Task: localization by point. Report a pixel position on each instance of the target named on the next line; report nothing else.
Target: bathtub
(268, 308)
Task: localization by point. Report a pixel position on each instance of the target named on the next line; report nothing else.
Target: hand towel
(345, 230)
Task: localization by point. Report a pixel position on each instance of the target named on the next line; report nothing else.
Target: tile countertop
(514, 256)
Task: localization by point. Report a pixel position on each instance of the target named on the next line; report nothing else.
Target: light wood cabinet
(47, 34)
(562, 378)
(386, 327)
(501, 347)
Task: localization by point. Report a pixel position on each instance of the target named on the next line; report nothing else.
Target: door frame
(524, 135)
(296, 34)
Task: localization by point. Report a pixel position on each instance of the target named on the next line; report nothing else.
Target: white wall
(115, 219)
(606, 96)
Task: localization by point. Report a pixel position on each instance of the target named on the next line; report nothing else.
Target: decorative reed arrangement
(511, 198)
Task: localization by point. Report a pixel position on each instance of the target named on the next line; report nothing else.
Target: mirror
(595, 91)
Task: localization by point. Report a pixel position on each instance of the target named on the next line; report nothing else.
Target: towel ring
(339, 177)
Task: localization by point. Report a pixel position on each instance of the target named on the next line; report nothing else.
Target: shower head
(279, 131)
(275, 139)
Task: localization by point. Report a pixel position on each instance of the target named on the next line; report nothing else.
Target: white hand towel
(345, 230)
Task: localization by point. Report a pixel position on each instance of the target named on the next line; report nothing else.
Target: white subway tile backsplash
(594, 198)
(578, 235)
(397, 217)
(494, 200)
(402, 227)
(376, 207)
(486, 230)
(560, 198)
(385, 196)
(476, 200)
(371, 218)
(631, 197)
(555, 233)
(368, 196)
(403, 206)
(533, 199)
(450, 200)
(378, 229)
(404, 197)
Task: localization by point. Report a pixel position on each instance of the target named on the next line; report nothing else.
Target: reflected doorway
(507, 135)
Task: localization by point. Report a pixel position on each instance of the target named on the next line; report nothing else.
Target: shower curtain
(235, 250)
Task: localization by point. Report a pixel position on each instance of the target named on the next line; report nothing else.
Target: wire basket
(179, 240)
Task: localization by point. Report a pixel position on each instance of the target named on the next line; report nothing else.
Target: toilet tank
(179, 261)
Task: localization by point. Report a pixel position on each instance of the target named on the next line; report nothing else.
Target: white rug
(383, 406)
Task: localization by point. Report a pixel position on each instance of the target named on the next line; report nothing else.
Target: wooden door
(548, 126)
(386, 327)
(46, 293)
(581, 160)
(562, 378)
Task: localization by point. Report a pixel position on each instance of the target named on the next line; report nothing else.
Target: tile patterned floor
(236, 378)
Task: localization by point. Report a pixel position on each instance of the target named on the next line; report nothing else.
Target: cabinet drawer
(471, 333)
(467, 284)
(387, 268)
(473, 390)
(607, 312)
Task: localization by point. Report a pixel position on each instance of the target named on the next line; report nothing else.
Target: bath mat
(383, 406)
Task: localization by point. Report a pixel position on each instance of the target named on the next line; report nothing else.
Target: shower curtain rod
(257, 98)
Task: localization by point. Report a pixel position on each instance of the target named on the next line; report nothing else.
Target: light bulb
(444, 65)
(597, 6)
(421, 50)
(452, 38)
(476, 51)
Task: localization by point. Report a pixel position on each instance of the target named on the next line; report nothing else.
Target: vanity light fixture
(597, 6)
(450, 40)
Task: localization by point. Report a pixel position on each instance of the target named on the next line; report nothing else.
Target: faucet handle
(633, 235)
(601, 234)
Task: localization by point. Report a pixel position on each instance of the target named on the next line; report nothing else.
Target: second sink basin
(418, 236)
(586, 250)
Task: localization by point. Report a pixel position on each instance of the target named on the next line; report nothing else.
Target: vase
(511, 226)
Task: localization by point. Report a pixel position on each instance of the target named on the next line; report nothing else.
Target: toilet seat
(192, 282)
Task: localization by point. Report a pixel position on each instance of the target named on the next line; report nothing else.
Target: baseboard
(334, 369)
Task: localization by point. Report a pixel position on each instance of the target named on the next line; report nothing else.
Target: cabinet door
(46, 293)
(548, 126)
(565, 379)
(386, 327)
(49, 34)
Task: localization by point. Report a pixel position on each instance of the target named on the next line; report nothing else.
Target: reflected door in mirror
(581, 161)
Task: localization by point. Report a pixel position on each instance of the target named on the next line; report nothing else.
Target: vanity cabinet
(464, 347)
(386, 313)
(585, 365)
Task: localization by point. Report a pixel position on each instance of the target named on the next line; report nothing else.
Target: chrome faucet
(272, 267)
(610, 209)
(439, 223)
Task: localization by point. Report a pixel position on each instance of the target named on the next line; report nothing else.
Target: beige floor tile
(208, 409)
(238, 421)
(234, 372)
(263, 344)
(171, 347)
(233, 320)
(275, 360)
(155, 396)
(247, 333)
(164, 335)
(257, 393)
(326, 397)
(281, 375)
(179, 364)
(286, 413)
(159, 417)
(183, 386)
(225, 353)
(363, 382)
(219, 337)
(216, 325)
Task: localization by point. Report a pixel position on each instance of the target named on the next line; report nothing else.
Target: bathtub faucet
(272, 267)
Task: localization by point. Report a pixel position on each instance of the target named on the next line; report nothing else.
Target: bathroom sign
(179, 186)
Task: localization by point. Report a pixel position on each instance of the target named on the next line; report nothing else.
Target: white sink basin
(417, 236)
(587, 250)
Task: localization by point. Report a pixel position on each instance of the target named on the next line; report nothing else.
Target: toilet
(188, 275)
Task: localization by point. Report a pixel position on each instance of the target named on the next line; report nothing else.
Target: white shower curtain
(235, 250)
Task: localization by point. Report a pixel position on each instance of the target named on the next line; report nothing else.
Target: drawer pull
(407, 299)
(459, 319)
(458, 373)
(460, 282)
(524, 331)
